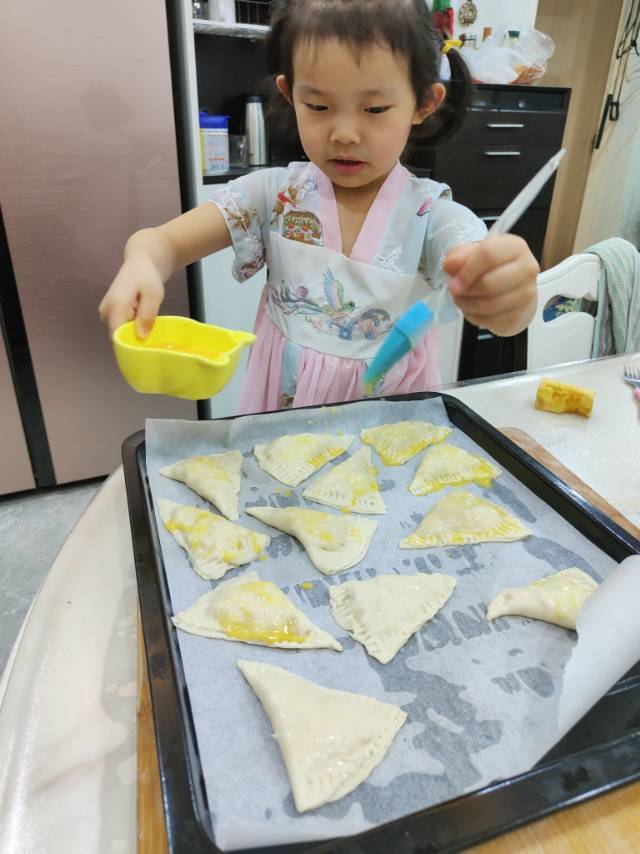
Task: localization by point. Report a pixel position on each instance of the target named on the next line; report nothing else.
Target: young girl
(350, 239)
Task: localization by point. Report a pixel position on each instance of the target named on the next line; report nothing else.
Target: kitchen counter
(68, 694)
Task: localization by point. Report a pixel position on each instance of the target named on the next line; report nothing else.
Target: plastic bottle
(214, 143)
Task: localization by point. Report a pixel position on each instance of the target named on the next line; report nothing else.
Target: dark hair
(406, 26)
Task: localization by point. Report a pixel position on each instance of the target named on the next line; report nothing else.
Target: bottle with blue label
(214, 143)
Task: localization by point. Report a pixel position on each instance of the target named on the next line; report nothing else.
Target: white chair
(567, 338)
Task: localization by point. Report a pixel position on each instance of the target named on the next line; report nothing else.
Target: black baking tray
(600, 753)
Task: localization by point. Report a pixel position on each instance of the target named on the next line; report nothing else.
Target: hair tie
(449, 43)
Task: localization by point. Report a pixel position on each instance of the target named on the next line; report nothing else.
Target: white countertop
(68, 694)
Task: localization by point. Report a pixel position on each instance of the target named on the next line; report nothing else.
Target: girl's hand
(135, 294)
(493, 282)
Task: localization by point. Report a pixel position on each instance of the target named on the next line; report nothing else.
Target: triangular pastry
(250, 610)
(385, 611)
(446, 465)
(213, 544)
(556, 598)
(291, 459)
(333, 543)
(397, 443)
(351, 485)
(215, 477)
(330, 740)
(461, 518)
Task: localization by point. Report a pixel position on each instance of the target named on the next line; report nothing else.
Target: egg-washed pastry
(330, 740)
(351, 485)
(396, 443)
(213, 544)
(556, 598)
(250, 610)
(291, 459)
(447, 465)
(461, 518)
(215, 477)
(554, 396)
(333, 543)
(384, 612)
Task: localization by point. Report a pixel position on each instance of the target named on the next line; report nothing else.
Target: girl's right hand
(135, 294)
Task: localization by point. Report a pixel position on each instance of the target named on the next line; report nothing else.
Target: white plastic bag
(525, 62)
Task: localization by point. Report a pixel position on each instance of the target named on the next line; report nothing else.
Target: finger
(455, 258)
(480, 311)
(146, 314)
(485, 256)
(114, 314)
(509, 277)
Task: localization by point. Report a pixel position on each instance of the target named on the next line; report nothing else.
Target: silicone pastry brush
(412, 325)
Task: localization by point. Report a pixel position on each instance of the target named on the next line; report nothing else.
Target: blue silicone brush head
(400, 340)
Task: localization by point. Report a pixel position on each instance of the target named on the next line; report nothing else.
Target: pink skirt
(322, 378)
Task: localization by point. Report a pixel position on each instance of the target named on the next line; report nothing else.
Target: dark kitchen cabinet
(510, 132)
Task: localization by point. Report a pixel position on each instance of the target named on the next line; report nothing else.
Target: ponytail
(447, 119)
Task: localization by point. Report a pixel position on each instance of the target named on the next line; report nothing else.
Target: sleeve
(449, 224)
(243, 204)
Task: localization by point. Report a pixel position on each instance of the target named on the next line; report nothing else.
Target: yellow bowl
(180, 357)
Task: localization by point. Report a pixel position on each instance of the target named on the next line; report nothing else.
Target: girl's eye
(377, 110)
(317, 108)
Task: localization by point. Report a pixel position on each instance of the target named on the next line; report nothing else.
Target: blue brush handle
(415, 322)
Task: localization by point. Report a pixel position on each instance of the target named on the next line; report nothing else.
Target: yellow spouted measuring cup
(180, 357)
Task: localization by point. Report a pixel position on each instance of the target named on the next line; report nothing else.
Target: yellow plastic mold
(181, 357)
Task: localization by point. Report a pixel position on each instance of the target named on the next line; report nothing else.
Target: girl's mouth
(347, 167)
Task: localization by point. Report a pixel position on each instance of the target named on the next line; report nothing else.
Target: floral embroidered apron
(327, 302)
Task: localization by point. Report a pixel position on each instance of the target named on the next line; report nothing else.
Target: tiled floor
(33, 528)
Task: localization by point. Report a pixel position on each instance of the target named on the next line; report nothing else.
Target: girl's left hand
(493, 283)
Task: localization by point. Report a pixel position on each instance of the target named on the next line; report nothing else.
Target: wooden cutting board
(608, 823)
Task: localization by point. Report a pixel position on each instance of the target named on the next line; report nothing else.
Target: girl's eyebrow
(384, 91)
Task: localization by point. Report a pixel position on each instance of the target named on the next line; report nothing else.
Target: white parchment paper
(484, 700)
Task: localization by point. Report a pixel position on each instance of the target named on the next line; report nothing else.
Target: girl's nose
(345, 132)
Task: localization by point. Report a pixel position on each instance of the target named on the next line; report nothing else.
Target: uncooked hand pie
(397, 443)
(446, 465)
(215, 477)
(351, 485)
(212, 543)
(250, 610)
(461, 518)
(556, 598)
(333, 543)
(384, 612)
(330, 740)
(291, 459)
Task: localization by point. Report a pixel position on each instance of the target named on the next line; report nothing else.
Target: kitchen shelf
(233, 172)
(220, 28)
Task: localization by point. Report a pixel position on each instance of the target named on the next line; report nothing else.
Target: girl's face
(354, 111)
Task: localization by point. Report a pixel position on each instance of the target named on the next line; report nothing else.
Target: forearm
(181, 241)
(156, 247)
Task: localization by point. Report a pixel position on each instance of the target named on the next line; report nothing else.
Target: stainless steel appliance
(87, 156)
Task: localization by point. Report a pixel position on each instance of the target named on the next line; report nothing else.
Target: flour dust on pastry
(215, 477)
(556, 598)
(291, 459)
(250, 610)
(333, 543)
(447, 465)
(384, 612)
(461, 518)
(214, 545)
(397, 443)
(330, 740)
(351, 485)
